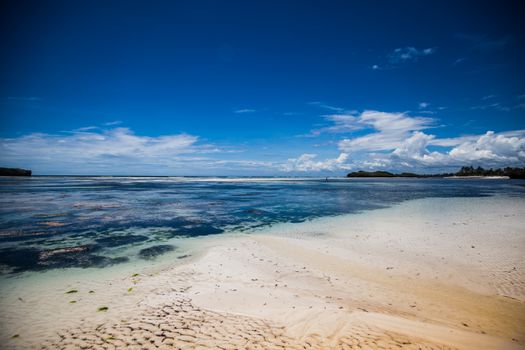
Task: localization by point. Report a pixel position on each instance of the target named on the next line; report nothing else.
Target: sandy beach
(424, 274)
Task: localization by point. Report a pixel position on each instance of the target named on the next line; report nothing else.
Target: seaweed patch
(153, 252)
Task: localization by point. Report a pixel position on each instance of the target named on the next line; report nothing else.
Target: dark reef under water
(61, 222)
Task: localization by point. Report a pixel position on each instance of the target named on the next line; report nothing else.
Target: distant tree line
(513, 173)
(14, 172)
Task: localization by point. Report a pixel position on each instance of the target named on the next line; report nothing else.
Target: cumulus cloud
(372, 140)
(400, 141)
(89, 149)
(489, 150)
(388, 130)
(308, 162)
(492, 148)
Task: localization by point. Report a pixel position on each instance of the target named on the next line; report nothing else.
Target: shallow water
(63, 222)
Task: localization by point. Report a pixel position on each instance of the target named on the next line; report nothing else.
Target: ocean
(53, 222)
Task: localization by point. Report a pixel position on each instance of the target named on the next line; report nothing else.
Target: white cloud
(452, 141)
(113, 123)
(489, 150)
(415, 146)
(87, 150)
(325, 106)
(388, 125)
(244, 110)
(374, 140)
(409, 53)
(423, 105)
(85, 128)
(389, 131)
(492, 148)
(308, 162)
(398, 141)
(412, 154)
(341, 123)
(494, 106)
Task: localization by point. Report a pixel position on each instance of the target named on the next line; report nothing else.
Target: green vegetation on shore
(513, 173)
(14, 172)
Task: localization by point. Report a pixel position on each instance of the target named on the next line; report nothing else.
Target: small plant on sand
(102, 309)
(15, 336)
(135, 275)
(130, 289)
(73, 302)
(91, 292)
(72, 291)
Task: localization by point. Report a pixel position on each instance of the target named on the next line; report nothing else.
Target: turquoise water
(65, 222)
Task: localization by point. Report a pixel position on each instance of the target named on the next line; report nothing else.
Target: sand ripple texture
(182, 325)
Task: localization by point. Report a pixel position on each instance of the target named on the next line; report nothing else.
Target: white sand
(425, 274)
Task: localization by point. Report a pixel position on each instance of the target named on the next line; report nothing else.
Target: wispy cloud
(423, 105)
(85, 129)
(244, 110)
(113, 123)
(28, 99)
(485, 42)
(494, 106)
(391, 123)
(401, 56)
(459, 61)
(341, 123)
(88, 149)
(408, 54)
(326, 106)
(388, 130)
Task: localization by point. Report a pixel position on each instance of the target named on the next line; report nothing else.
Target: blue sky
(260, 87)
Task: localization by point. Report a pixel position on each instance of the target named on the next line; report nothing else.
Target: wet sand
(425, 274)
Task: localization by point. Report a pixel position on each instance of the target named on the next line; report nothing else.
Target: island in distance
(467, 171)
(14, 172)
